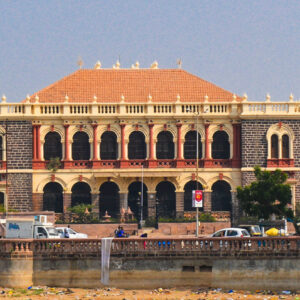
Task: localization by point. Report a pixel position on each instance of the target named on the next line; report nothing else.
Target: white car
(231, 232)
(72, 233)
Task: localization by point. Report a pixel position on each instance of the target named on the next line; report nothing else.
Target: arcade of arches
(110, 199)
(137, 146)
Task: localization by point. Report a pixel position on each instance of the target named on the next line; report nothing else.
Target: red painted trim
(122, 141)
(179, 155)
(34, 142)
(38, 129)
(151, 148)
(206, 141)
(95, 142)
(67, 154)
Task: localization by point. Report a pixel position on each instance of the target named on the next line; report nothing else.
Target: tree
(268, 195)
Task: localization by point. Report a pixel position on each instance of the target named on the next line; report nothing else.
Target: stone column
(151, 204)
(95, 204)
(67, 153)
(207, 155)
(179, 155)
(67, 201)
(179, 204)
(151, 145)
(95, 152)
(123, 141)
(123, 200)
(207, 201)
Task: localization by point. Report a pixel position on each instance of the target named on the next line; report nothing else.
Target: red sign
(197, 198)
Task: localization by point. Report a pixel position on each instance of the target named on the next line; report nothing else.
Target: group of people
(119, 233)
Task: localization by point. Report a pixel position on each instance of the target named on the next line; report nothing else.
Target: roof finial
(27, 98)
(245, 97)
(291, 97)
(37, 98)
(95, 99)
(234, 98)
(137, 65)
(3, 98)
(206, 98)
(98, 65)
(118, 64)
(268, 98)
(154, 65)
(66, 99)
(177, 98)
(179, 63)
(149, 98)
(122, 98)
(79, 62)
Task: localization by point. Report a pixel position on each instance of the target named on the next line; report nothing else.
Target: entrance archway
(53, 197)
(81, 194)
(188, 191)
(109, 199)
(165, 192)
(134, 196)
(221, 196)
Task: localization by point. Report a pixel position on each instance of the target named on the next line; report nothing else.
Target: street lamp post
(197, 165)
(156, 212)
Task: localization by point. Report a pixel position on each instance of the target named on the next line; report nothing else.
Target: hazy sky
(242, 46)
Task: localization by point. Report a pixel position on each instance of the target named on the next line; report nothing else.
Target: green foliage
(268, 195)
(206, 217)
(54, 164)
(2, 209)
(81, 213)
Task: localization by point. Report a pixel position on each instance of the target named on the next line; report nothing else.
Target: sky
(248, 47)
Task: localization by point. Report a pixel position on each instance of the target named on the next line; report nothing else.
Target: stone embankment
(239, 263)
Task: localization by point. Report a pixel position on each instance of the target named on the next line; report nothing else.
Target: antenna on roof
(119, 58)
(79, 62)
(179, 63)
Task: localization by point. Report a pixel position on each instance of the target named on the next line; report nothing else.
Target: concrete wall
(140, 273)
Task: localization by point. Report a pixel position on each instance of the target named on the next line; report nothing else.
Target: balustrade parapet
(203, 246)
(244, 109)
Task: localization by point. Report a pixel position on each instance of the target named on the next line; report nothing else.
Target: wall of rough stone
(19, 157)
(254, 142)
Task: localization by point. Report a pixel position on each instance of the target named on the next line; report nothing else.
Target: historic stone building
(126, 134)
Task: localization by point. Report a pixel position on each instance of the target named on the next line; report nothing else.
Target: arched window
(2, 201)
(81, 194)
(165, 145)
(165, 193)
(221, 196)
(285, 146)
(188, 194)
(1, 148)
(109, 199)
(80, 146)
(109, 146)
(52, 146)
(136, 146)
(190, 145)
(53, 197)
(274, 146)
(220, 145)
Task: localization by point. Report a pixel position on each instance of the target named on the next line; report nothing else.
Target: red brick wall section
(67, 201)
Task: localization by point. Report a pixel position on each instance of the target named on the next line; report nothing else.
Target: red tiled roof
(135, 84)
